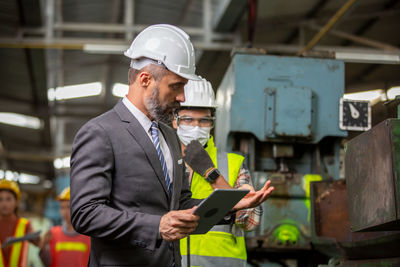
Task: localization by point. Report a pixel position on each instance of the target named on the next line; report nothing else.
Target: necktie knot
(154, 128)
(154, 125)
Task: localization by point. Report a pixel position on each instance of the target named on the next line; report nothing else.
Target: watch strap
(213, 176)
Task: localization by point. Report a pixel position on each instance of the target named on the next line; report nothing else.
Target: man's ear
(144, 78)
(174, 123)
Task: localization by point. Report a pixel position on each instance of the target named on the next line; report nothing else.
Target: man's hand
(197, 158)
(177, 224)
(253, 199)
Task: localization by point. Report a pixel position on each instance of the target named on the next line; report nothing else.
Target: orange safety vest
(17, 249)
(68, 250)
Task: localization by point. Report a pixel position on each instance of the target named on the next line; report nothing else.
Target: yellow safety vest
(223, 245)
(16, 249)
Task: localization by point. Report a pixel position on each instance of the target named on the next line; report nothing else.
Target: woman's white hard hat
(199, 94)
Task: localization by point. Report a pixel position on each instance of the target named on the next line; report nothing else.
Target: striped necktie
(156, 142)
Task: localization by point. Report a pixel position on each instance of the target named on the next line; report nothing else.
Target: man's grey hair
(156, 69)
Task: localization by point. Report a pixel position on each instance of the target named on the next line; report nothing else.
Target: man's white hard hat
(167, 45)
(199, 94)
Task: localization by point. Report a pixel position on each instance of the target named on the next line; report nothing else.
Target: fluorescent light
(120, 89)
(20, 120)
(66, 161)
(11, 176)
(22, 178)
(370, 57)
(372, 96)
(60, 163)
(74, 91)
(105, 48)
(25, 178)
(393, 92)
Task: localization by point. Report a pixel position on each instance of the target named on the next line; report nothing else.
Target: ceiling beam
(328, 26)
(220, 46)
(360, 40)
(369, 23)
(273, 24)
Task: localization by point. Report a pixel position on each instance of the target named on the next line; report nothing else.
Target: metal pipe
(42, 45)
(327, 27)
(121, 28)
(105, 46)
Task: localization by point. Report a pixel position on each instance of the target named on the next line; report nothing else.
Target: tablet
(216, 206)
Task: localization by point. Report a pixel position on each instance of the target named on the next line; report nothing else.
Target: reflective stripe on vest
(1, 257)
(214, 261)
(71, 246)
(16, 248)
(222, 161)
(223, 243)
(68, 250)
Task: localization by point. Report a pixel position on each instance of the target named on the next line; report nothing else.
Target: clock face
(355, 115)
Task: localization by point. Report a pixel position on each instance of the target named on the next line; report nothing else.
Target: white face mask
(188, 133)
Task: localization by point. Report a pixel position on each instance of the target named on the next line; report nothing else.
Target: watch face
(355, 115)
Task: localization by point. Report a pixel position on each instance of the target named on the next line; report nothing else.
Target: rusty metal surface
(371, 180)
(331, 219)
(330, 227)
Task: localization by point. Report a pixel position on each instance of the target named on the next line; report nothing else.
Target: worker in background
(62, 246)
(14, 254)
(223, 245)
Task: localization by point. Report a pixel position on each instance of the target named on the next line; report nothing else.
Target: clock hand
(354, 112)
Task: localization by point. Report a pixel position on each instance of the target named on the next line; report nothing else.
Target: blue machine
(283, 114)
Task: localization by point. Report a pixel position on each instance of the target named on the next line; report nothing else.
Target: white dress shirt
(146, 124)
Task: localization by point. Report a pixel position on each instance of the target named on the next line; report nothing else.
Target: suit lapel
(139, 134)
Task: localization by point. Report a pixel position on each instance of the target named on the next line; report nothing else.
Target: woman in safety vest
(62, 246)
(210, 168)
(15, 254)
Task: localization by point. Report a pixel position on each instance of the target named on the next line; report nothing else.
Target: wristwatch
(213, 175)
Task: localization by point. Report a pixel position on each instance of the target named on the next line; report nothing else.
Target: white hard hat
(199, 94)
(168, 45)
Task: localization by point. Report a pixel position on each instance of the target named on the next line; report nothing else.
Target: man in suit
(128, 189)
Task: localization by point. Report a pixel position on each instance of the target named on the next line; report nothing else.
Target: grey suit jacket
(118, 191)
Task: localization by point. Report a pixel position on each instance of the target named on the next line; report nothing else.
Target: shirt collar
(139, 115)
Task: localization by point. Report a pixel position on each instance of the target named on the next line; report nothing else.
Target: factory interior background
(307, 90)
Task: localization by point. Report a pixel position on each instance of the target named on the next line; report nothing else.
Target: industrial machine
(282, 113)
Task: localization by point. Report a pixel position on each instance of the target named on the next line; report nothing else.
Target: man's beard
(158, 111)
